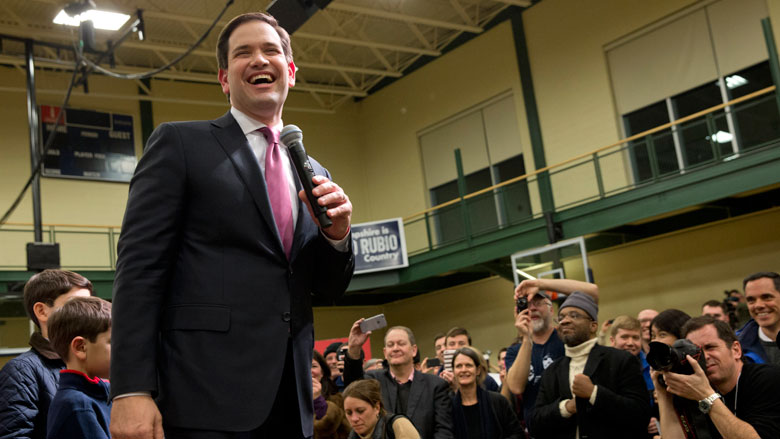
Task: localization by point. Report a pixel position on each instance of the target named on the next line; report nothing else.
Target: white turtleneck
(578, 356)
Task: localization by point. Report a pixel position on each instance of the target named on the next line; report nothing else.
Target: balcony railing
(622, 166)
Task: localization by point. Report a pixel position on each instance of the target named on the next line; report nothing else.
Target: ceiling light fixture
(74, 13)
(735, 81)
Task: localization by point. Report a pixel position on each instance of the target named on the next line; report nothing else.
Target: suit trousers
(284, 421)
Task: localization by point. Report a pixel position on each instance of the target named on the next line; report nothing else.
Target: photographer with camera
(739, 399)
(540, 345)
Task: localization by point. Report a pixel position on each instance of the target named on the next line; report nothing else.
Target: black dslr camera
(665, 358)
(521, 304)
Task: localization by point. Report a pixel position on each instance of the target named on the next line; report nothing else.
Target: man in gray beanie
(594, 391)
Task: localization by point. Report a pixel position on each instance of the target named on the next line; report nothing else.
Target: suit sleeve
(626, 402)
(334, 267)
(147, 251)
(546, 419)
(353, 369)
(442, 415)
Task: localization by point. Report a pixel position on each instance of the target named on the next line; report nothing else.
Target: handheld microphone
(292, 137)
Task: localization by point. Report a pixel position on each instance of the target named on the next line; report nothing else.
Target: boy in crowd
(81, 335)
(29, 381)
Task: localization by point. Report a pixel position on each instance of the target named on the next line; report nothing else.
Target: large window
(706, 54)
(488, 140)
(723, 133)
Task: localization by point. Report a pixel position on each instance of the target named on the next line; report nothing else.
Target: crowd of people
(657, 375)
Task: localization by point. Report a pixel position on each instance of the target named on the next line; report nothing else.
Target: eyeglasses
(573, 315)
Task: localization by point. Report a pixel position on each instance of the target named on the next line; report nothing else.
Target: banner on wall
(379, 245)
(88, 144)
(321, 345)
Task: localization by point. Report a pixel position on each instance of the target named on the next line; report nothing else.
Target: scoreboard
(88, 144)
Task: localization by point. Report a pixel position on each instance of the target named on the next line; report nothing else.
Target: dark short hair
(456, 331)
(476, 357)
(408, 332)
(48, 285)
(725, 332)
(366, 390)
(224, 36)
(763, 274)
(85, 317)
(716, 303)
(671, 321)
(438, 336)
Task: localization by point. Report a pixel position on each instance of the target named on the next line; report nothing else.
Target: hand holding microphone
(328, 204)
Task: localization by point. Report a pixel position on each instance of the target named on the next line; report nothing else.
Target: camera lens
(521, 304)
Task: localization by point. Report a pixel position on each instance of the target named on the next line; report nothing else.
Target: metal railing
(83, 247)
(624, 165)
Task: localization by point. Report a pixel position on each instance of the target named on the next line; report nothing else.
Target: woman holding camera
(367, 416)
(478, 413)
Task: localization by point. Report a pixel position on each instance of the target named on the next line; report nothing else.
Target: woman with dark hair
(478, 413)
(329, 419)
(367, 416)
(666, 327)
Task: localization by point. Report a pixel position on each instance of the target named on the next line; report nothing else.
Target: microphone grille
(290, 134)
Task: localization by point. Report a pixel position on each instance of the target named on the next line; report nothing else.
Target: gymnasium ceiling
(344, 51)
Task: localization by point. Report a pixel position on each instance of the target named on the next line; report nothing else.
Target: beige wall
(391, 118)
(685, 269)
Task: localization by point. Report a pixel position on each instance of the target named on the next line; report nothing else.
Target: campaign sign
(379, 245)
(88, 144)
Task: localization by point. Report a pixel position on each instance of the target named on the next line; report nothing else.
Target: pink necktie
(278, 189)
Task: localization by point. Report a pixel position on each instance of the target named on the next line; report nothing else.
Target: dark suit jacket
(205, 300)
(622, 408)
(429, 406)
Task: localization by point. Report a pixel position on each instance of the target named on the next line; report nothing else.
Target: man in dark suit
(422, 397)
(594, 391)
(218, 259)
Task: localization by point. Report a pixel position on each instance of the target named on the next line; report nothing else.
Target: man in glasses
(540, 345)
(593, 391)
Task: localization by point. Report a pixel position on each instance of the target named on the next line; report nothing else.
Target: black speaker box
(42, 255)
(292, 14)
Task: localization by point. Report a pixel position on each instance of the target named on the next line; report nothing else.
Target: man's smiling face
(398, 350)
(258, 75)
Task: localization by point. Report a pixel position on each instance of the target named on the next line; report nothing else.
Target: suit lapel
(391, 390)
(594, 358)
(415, 393)
(563, 378)
(298, 232)
(234, 143)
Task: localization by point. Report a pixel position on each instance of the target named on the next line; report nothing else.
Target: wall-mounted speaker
(42, 255)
